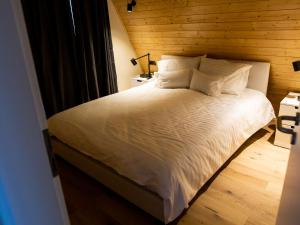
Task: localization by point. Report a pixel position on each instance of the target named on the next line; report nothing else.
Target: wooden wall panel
(263, 30)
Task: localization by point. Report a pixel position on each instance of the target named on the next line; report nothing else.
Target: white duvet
(169, 140)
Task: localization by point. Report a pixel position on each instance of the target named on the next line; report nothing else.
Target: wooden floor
(246, 192)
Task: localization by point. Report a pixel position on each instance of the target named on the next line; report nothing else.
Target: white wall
(123, 50)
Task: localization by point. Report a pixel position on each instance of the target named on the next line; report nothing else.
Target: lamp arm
(142, 56)
(149, 73)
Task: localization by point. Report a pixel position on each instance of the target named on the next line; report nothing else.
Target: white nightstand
(289, 106)
(137, 81)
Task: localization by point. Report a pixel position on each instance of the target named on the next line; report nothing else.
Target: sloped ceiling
(263, 30)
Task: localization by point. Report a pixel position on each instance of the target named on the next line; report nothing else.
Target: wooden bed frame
(138, 195)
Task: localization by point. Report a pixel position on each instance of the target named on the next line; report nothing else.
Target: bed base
(138, 195)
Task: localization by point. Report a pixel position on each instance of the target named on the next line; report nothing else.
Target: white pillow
(237, 81)
(235, 74)
(155, 75)
(210, 85)
(178, 64)
(174, 79)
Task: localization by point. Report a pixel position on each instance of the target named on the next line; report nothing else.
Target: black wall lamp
(296, 66)
(130, 6)
(150, 62)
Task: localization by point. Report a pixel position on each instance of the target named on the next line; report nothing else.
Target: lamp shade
(129, 7)
(296, 66)
(133, 61)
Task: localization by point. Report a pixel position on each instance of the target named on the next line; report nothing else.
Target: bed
(158, 147)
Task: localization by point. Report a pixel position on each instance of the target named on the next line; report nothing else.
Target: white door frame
(30, 195)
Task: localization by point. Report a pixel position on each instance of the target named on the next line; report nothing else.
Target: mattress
(170, 141)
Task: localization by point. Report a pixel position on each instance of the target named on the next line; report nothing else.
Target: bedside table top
(141, 78)
(137, 81)
(291, 99)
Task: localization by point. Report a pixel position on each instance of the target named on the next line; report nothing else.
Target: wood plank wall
(264, 30)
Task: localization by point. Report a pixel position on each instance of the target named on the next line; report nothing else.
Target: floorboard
(245, 192)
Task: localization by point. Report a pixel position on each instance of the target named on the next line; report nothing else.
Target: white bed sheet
(169, 140)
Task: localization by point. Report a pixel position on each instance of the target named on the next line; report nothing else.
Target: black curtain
(94, 44)
(72, 49)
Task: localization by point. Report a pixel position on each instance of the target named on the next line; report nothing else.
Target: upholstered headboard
(259, 75)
